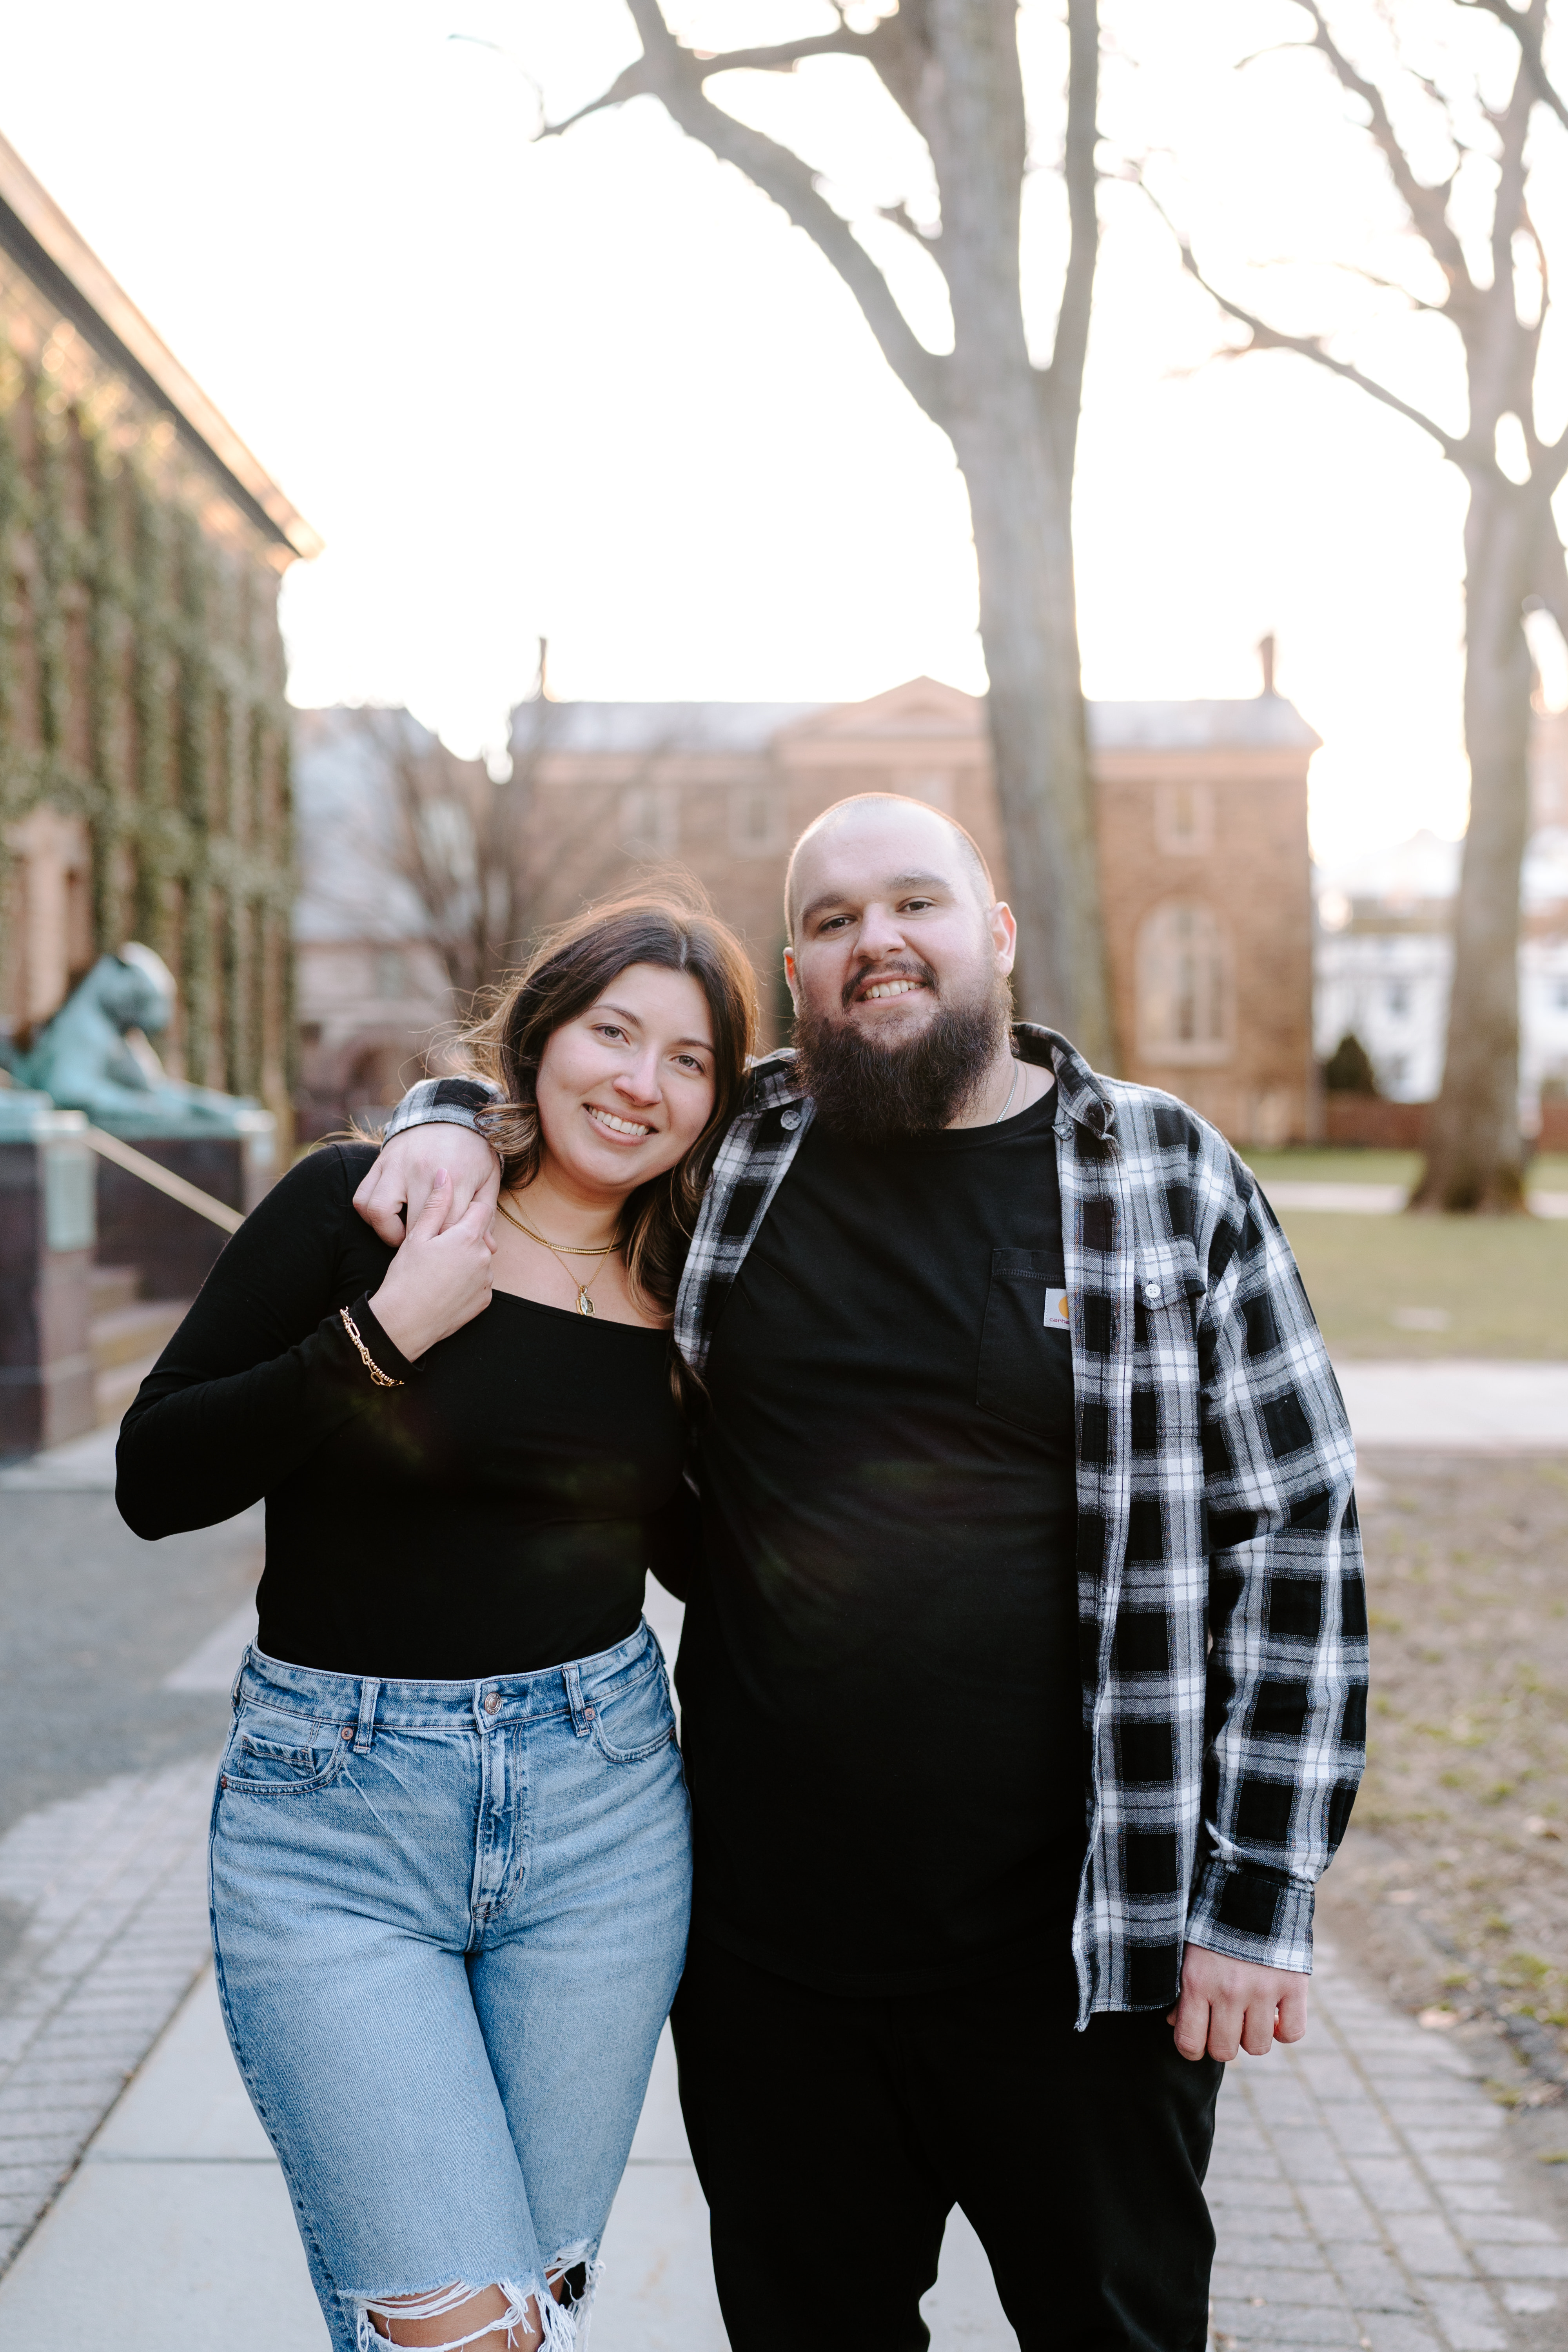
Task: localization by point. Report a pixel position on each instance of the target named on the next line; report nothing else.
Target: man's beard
(874, 1093)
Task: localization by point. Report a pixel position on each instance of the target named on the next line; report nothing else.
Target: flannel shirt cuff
(442, 1102)
(1253, 1913)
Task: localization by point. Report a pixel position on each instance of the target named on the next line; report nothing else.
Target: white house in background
(1383, 959)
(369, 989)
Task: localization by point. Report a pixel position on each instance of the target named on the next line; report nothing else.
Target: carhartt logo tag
(1056, 1317)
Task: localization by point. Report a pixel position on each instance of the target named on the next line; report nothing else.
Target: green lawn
(1501, 1282)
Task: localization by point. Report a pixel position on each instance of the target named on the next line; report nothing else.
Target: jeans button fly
(492, 1702)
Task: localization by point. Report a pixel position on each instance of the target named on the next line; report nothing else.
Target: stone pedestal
(47, 1235)
(172, 1247)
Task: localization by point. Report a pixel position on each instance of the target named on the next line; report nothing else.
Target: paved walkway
(1471, 1404)
(1358, 2186)
(1377, 1200)
(1361, 2185)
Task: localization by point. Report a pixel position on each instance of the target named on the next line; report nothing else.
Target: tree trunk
(1475, 1158)
(952, 67)
(1020, 494)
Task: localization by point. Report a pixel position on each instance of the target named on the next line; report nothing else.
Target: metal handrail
(162, 1180)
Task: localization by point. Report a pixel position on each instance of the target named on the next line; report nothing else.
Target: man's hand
(402, 1176)
(440, 1279)
(1228, 2004)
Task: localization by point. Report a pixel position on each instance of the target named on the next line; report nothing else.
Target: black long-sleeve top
(495, 1514)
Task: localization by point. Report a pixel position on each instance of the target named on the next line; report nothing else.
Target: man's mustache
(912, 968)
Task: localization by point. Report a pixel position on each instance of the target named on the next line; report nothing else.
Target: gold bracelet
(383, 1379)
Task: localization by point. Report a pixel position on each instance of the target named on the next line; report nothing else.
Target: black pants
(834, 2136)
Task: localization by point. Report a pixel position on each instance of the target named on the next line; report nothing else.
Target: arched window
(1185, 990)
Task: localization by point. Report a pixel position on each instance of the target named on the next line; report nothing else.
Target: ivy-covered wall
(141, 696)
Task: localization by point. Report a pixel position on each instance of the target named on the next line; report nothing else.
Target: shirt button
(789, 1119)
(492, 1702)
(1152, 1293)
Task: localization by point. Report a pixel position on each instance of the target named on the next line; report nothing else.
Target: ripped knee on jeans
(450, 2318)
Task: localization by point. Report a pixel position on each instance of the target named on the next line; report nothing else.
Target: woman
(450, 1853)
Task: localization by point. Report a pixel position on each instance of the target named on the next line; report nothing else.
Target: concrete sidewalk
(1474, 1405)
(1377, 1200)
(177, 2229)
(1361, 2188)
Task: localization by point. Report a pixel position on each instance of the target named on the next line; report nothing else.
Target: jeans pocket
(636, 1720)
(273, 1753)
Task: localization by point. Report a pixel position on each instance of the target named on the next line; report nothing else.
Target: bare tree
(454, 837)
(1513, 553)
(489, 862)
(953, 68)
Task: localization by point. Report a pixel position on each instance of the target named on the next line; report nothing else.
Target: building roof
(655, 726)
(40, 239)
(1266, 721)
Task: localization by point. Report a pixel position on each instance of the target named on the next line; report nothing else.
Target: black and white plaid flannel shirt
(1222, 1611)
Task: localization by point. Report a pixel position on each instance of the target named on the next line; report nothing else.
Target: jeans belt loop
(369, 1692)
(574, 1682)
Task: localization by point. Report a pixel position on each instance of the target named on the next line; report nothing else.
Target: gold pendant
(584, 1304)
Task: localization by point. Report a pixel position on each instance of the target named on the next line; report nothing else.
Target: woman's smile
(624, 1130)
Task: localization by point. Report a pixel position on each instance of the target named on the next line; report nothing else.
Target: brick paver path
(112, 1892)
(1359, 2185)
(1361, 2197)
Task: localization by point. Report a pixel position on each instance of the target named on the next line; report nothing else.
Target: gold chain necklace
(562, 1253)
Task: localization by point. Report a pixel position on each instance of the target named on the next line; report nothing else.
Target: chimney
(1266, 656)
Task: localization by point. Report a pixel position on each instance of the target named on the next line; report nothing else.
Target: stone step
(109, 1287)
(113, 1390)
(127, 1334)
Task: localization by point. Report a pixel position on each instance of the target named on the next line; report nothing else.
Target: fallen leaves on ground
(1454, 1877)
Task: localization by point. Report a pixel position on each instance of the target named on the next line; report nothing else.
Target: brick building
(144, 734)
(1202, 829)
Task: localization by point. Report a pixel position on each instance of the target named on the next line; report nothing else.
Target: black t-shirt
(494, 1514)
(880, 1666)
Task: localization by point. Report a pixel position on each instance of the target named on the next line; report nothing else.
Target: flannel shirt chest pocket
(1167, 1290)
(1026, 1344)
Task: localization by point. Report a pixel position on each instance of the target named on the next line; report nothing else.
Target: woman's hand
(440, 1279)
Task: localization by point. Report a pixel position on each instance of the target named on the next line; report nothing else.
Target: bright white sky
(598, 388)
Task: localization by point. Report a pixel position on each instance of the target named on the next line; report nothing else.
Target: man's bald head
(923, 825)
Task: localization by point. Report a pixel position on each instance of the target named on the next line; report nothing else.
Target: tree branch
(1527, 340)
(1551, 580)
(1265, 338)
(1527, 35)
(901, 217)
(1428, 208)
(1390, 286)
(1512, 128)
(1062, 388)
(675, 76)
(778, 56)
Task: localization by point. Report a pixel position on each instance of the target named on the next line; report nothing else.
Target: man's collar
(1081, 1094)
(771, 1082)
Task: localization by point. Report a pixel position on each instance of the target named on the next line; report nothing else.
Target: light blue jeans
(449, 1919)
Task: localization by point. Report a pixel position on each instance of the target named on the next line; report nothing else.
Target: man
(1024, 1671)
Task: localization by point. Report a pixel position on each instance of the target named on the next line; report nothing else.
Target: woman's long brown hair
(570, 969)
